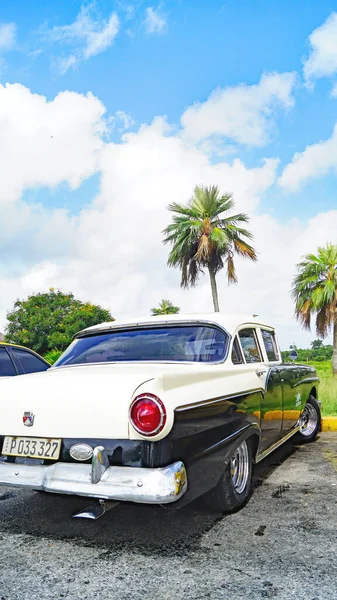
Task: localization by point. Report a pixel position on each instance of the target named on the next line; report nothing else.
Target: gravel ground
(282, 545)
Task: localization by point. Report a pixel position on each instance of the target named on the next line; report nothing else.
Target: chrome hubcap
(309, 420)
(239, 465)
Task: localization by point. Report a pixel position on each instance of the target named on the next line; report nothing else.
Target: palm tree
(314, 290)
(165, 308)
(204, 236)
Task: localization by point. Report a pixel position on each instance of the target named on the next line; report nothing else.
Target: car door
(7, 368)
(27, 362)
(272, 412)
(268, 377)
(292, 398)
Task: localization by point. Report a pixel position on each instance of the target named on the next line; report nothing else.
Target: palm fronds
(204, 236)
(314, 289)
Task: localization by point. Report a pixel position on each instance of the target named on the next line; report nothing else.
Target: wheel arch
(313, 392)
(254, 441)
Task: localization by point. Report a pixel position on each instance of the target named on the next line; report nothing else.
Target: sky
(110, 110)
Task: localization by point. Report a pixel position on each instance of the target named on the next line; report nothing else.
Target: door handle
(261, 372)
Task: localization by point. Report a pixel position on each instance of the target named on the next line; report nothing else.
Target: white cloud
(7, 36)
(244, 114)
(47, 142)
(67, 62)
(315, 161)
(87, 36)
(112, 252)
(125, 120)
(154, 21)
(322, 59)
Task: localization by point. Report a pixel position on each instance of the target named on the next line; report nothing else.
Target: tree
(316, 344)
(165, 308)
(205, 236)
(48, 321)
(314, 290)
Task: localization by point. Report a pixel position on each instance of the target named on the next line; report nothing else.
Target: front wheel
(233, 489)
(310, 421)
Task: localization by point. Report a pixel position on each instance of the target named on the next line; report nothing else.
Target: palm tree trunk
(215, 292)
(334, 354)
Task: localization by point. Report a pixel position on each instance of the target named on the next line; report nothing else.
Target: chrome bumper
(132, 484)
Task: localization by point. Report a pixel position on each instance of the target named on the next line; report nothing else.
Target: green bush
(47, 321)
(52, 356)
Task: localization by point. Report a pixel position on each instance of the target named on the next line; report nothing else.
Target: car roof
(230, 322)
(15, 346)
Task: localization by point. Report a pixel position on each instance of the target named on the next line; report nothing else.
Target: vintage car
(18, 360)
(158, 410)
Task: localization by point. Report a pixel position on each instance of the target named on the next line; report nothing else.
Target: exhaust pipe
(96, 510)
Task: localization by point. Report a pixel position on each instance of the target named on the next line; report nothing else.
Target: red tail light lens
(147, 414)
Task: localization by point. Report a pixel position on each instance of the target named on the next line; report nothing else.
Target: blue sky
(208, 68)
(204, 45)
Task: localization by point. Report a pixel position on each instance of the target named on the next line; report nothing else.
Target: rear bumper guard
(144, 485)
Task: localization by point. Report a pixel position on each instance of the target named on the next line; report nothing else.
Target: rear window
(197, 343)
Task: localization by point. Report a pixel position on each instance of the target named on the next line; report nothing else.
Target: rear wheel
(310, 421)
(232, 490)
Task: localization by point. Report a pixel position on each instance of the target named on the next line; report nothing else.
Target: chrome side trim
(150, 486)
(227, 440)
(271, 449)
(217, 399)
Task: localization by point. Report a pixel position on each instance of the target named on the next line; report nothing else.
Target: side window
(270, 344)
(6, 366)
(28, 362)
(250, 346)
(236, 353)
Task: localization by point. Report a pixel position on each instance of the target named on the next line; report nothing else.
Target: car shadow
(138, 528)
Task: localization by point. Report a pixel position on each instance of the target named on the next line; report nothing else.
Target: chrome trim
(240, 467)
(308, 420)
(227, 440)
(99, 464)
(162, 411)
(217, 399)
(265, 453)
(150, 486)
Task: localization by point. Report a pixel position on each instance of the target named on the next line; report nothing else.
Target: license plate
(31, 447)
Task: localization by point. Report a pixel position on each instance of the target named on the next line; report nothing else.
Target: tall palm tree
(165, 308)
(314, 290)
(204, 236)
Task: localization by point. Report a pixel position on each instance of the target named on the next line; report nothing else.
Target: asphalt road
(282, 545)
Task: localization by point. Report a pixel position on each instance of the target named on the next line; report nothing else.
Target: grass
(327, 391)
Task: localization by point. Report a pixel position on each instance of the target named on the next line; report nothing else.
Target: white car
(157, 410)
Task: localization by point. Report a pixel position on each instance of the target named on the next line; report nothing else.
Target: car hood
(82, 401)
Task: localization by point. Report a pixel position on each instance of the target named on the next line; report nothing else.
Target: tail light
(147, 414)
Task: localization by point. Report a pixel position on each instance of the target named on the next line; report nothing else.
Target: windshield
(197, 343)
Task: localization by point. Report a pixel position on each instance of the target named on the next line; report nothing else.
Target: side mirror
(293, 355)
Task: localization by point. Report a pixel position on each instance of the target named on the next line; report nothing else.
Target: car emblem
(81, 452)
(28, 418)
